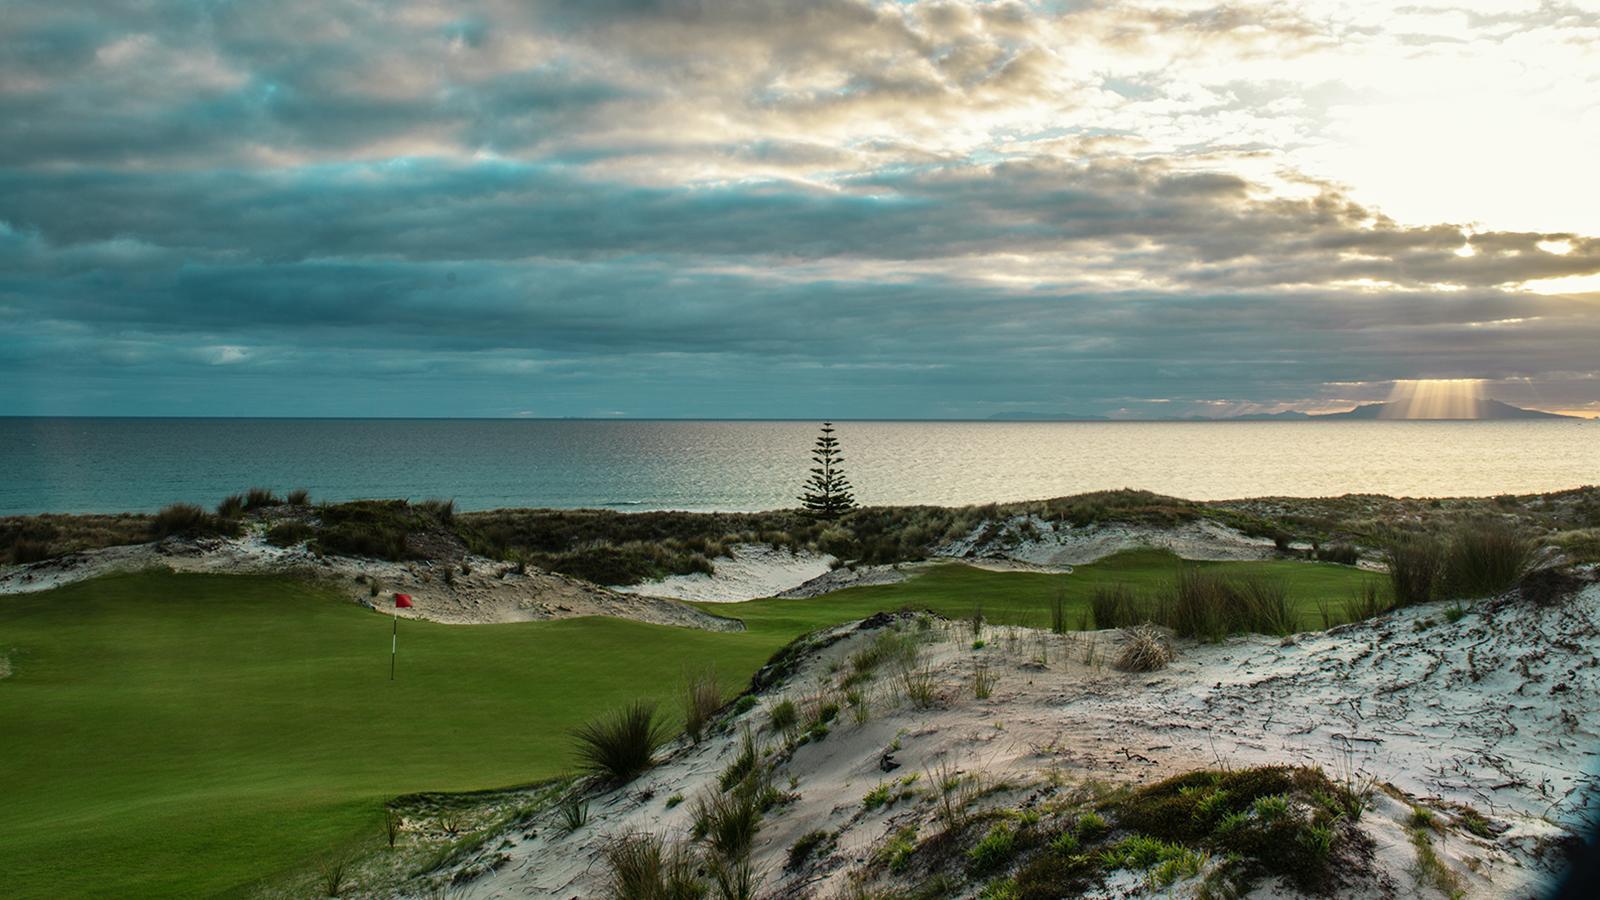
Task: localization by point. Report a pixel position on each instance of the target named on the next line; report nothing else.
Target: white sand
(752, 572)
(1500, 710)
(1060, 544)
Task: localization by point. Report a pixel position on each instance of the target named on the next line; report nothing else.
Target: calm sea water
(99, 465)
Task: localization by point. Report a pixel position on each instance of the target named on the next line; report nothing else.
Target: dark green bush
(373, 528)
(231, 507)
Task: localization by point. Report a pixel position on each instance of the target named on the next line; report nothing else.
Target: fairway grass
(199, 735)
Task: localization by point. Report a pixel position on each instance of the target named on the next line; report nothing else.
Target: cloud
(932, 208)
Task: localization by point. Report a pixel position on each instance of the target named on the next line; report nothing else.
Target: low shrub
(298, 497)
(288, 534)
(25, 550)
(371, 528)
(1278, 820)
(1544, 587)
(995, 849)
(622, 745)
(806, 847)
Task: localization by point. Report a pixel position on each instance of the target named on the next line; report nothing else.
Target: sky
(807, 209)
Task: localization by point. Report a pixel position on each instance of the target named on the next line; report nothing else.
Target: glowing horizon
(1435, 398)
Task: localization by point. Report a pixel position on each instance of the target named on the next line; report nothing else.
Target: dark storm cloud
(663, 206)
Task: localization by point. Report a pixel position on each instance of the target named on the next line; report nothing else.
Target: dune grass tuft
(644, 867)
(622, 745)
(1144, 649)
(702, 697)
(1486, 559)
(188, 520)
(260, 498)
(1416, 567)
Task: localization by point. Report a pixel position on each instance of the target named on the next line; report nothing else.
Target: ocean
(110, 465)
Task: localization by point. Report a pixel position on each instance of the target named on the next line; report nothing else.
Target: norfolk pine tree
(827, 492)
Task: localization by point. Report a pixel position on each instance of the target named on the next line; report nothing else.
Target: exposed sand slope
(479, 596)
(1048, 543)
(752, 572)
(1499, 710)
(759, 570)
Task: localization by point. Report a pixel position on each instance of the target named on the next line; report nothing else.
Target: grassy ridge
(191, 735)
(1023, 598)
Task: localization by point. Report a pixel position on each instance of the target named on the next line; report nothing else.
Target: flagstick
(394, 642)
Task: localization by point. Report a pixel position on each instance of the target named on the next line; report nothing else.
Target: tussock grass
(1366, 603)
(442, 511)
(1144, 649)
(744, 763)
(574, 814)
(728, 821)
(298, 497)
(188, 520)
(335, 872)
(1485, 559)
(622, 745)
(231, 507)
(890, 647)
(919, 685)
(1416, 568)
(645, 867)
(783, 716)
(1116, 606)
(260, 498)
(983, 680)
(1203, 604)
(702, 698)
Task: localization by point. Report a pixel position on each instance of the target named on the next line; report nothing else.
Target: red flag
(402, 601)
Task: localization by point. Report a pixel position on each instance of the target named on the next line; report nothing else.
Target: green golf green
(192, 735)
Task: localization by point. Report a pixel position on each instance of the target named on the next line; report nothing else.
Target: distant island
(1482, 408)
